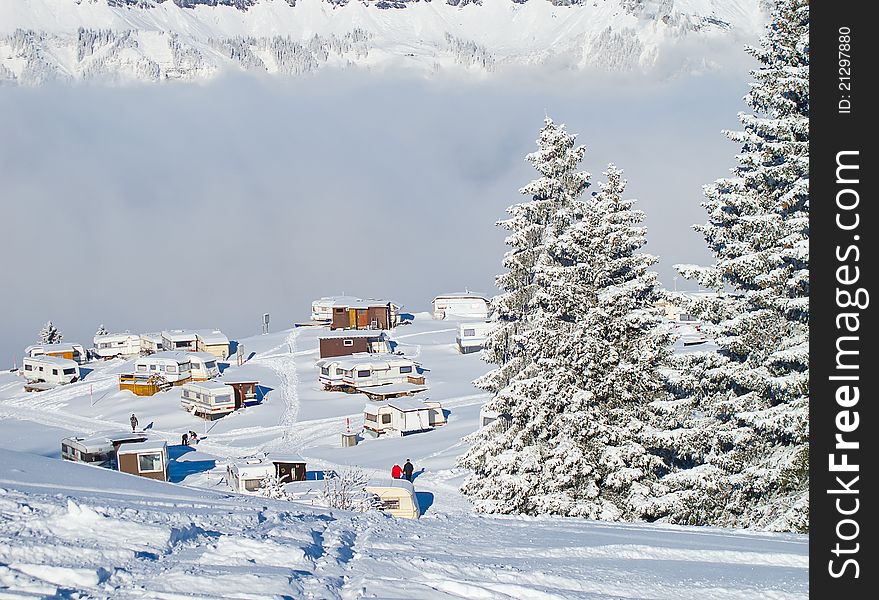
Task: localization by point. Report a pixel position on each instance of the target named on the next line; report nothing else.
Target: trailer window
(363, 373)
(69, 371)
(386, 419)
(391, 504)
(406, 369)
(324, 370)
(210, 364)
(171, 368)
(223, 399)
(149, 463)
(28, 368)
(369, 417)
(184, 367)
(140, 368)
(348, 343)
(54, 371)
(252, 485)
(469, 332)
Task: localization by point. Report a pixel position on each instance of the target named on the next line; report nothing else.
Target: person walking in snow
(184, 441)
(133, 420)
(397, 472)
(407, 470)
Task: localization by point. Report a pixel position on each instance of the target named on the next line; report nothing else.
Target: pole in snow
(348, 424)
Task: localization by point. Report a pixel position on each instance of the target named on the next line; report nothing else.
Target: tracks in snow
(284, 365)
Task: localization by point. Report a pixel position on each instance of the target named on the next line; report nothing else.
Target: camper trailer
(146, 459)
(98, 449)
(487, 417)
(212, 341)
(347, 342)
(401, 417)
(460, 305)
(208, 399)
(112, 345)
(69, 351)
(472, 336)
(362, 370)
(248, 476)
(174, 367)
(150, 343)
(49, 369)
(202, 366)
(179, 339)
(397, 497)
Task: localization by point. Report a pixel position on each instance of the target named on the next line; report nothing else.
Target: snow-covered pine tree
(560, 183)
(101, 330)
(49, 334)
(738, 432)
(272, 487)
(589, 344)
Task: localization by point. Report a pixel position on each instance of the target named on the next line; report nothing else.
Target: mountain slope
(71, 531)
(153, 40)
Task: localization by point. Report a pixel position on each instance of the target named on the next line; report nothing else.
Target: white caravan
(111, 345)
(203, 366)
(172, 366)
(472, 335)
(460, 305)
(69, 351)
(49, 369)
(207, 398)
(360, 370)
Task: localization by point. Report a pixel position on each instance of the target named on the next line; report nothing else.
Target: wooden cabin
(208, 399)
(202, 366)
(73, 352)
(142, 384)
(347, 373)
(182, 340)
(146, 459)
(49, 369)
(460, 305)
(365, 314)
(243, 389)
(247, 476)
(347, 342)
(473, 335)
(397, 497)
(173, 367)
(401, 417)
(98, 449)
(212, 341)
(113, 345)
(322, 309)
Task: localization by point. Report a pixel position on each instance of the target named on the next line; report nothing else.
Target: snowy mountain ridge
(155, 40)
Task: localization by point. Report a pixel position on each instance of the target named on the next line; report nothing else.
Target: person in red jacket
(397, 472)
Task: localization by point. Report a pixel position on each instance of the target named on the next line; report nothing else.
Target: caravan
(363, 370)
(464, 305)
(397, 497)
(209, 399)
(99, 449)
(202, 366)
(401, 417)
(112, 345)
(173, 367)
(472, 336)
(49, 369)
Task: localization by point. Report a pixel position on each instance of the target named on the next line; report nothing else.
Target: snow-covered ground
(68, 529)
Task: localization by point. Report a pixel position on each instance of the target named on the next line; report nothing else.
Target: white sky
(205, 205)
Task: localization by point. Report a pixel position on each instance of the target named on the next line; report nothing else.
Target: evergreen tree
(589, 344)
(49, 334)
(101, 330)
(737, 434)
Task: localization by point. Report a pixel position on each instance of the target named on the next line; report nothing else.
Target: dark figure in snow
(133, 420)
(407, 470)
(185, 439)
(397, 472)
(193, 437)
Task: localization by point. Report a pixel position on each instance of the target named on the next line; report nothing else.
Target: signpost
(265, 323)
